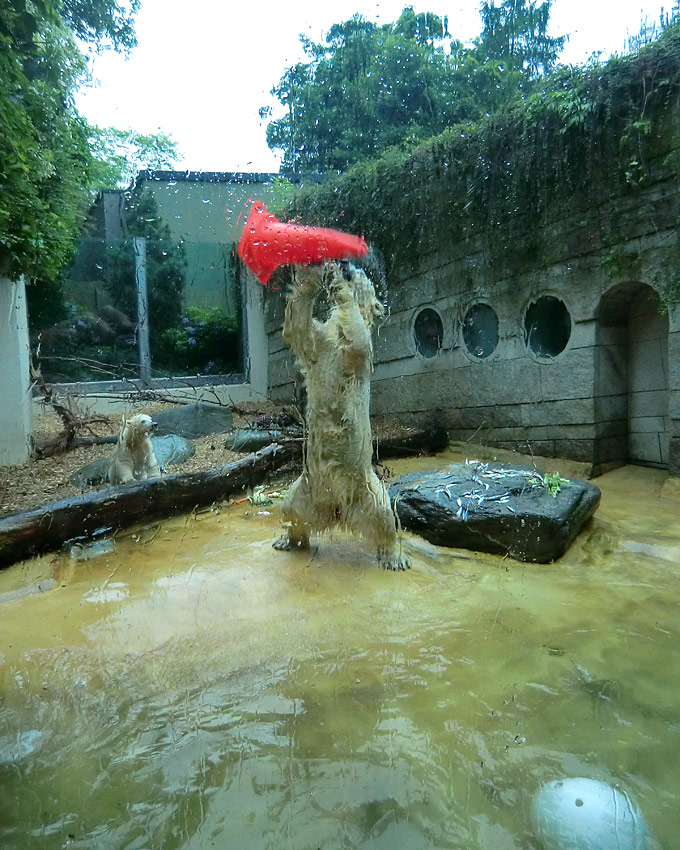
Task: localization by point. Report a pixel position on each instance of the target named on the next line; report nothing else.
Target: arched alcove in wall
(631, 401)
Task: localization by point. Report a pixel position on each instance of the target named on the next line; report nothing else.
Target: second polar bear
(134, 458)
(338, 485)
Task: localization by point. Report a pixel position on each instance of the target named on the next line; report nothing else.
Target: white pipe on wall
(16, 409)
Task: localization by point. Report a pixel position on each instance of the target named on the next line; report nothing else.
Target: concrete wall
(648, 413)
(565, 221)
(16, 427)
(611, 395)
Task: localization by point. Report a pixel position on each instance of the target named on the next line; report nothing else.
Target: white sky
(204, 68)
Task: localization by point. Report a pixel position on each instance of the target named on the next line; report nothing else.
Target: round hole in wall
(428, 332)
(547, 326)
(480, 330)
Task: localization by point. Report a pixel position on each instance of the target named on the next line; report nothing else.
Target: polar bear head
(137, 428)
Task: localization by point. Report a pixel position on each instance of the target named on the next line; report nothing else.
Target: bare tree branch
(74, 421)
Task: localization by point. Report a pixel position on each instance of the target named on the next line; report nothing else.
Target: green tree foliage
(515, 32)
(102, 22)
(584, 134)
(115, 158)
(206, 341)
(92, 338)
(366, 88)
(514, 50)
(118, 155)
(369, 87)
(44, 154)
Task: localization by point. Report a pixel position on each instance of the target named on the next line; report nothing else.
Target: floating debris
(259, 497)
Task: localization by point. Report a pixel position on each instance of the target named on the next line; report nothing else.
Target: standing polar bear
(134, 458)
(338, 485)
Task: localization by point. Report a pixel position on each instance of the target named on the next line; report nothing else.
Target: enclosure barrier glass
(140, 309)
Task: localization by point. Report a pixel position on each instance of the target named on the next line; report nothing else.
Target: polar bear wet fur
(134, 457)
(338, 485)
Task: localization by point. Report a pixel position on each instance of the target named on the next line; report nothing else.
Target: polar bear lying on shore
(338, 485)
(134, 458)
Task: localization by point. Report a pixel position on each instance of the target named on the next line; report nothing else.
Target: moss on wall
(592, 135)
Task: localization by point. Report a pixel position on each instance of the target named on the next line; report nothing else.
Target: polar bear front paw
(394, 561)
(286, 544)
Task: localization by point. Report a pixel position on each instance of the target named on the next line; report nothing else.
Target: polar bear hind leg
(296, 504)
(372, 518)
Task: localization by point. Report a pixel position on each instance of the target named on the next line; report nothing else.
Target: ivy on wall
(589, 135)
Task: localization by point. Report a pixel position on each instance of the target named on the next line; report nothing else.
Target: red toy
(267, 243)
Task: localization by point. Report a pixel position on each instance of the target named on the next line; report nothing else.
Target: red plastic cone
(267, 243)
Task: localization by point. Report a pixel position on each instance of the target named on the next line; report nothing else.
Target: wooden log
(428, 441)
(48, 527)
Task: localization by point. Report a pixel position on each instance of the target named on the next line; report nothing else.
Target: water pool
(196, 689)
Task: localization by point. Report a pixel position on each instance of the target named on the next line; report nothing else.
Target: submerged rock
(497, 508)
(27, 590)
(87, 550)
(17, 747)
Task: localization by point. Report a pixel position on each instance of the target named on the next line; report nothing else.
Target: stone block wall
(565, 343)
(508, 397)
(611, 395)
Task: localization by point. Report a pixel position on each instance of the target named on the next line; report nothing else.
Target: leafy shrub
(206, 339)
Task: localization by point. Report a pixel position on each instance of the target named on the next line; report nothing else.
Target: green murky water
(196, 689)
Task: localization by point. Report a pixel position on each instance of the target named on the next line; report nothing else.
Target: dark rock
(505, 510)
(169, 450)
(253, 439)
(194, 420)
